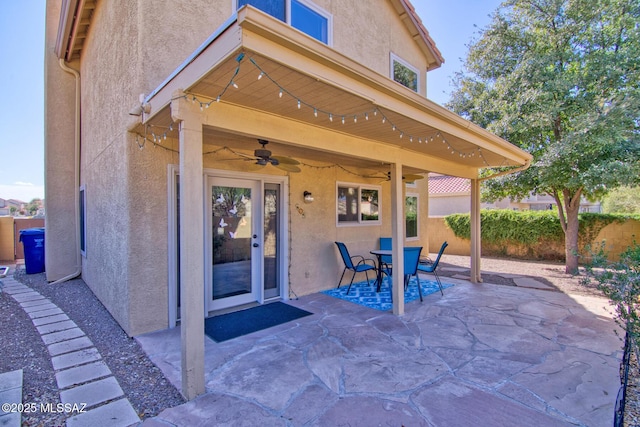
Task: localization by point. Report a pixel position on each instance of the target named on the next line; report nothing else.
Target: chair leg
(419, 287)
(351, 282)
(438, 279)
(341, 277)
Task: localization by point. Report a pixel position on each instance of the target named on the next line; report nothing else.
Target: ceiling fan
(263, 157)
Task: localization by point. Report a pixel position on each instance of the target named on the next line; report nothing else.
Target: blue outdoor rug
(364, 293)
(232, 325)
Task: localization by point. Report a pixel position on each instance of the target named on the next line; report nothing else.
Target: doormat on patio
(364, 293)
(232, 325)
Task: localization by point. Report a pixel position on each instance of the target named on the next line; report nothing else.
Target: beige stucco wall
(367, 34)
(450, 204)
(617, 237)
(59, 163)
(6, 238)
(131, 48)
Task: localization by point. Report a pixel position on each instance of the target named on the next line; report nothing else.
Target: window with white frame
(357, 204)
(303, 15)
(411, 216)
(404, 73)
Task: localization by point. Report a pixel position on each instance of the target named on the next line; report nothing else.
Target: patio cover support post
(476, 237)
(397, 234)
(191, 249)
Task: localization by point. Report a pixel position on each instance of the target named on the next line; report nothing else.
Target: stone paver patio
(481, 355)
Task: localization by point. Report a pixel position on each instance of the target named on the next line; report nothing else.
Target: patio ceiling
(256, 63)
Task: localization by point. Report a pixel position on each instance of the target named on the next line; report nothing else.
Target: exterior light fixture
(308, 197)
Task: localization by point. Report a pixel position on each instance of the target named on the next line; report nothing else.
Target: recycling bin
(33, 241)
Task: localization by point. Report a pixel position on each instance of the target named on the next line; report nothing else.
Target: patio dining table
(379, 253)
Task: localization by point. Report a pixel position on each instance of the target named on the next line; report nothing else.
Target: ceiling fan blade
(288, 168)
(411, 178)
(286, 160)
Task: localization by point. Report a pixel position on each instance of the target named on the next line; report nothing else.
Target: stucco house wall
(131, 47)
(441, 206)
(58, 157)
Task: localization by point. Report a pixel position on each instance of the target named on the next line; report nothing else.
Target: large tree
(560, 79)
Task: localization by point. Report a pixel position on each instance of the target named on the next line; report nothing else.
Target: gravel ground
(142, 382)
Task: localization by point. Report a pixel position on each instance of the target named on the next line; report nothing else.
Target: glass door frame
(251, 246)
(257, 294)
(172, 230)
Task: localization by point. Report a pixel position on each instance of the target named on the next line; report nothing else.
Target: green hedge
(528, 227)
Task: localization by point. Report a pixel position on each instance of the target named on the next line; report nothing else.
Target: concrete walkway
(87, 387)
(11, 394)
(481, 355)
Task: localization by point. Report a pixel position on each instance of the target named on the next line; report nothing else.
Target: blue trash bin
(33, 241)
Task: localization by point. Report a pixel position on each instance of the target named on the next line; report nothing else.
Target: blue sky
(451, 23)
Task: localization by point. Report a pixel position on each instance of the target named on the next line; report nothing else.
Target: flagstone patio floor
(484, 355)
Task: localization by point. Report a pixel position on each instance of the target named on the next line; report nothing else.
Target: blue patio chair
(411, 261)
(360, 267)
(430, 267)
(386, 244)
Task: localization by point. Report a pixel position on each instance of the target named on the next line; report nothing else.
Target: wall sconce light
(308, 197)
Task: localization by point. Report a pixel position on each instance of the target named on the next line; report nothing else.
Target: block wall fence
(616, 236)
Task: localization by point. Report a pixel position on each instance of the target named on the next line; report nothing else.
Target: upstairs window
(275, 8)
(404, 73)
(300, 14)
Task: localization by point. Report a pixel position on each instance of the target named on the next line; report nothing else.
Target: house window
(310, 19)
(275, 8)
(404, 73)
(83, 223)
(303, 15)
(357, 204)
(411, 216)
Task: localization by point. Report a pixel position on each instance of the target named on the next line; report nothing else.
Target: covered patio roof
(259, 64)
(257, 77)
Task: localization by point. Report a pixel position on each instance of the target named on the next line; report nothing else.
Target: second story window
(301, 14)
(404, 73)
(275, 8)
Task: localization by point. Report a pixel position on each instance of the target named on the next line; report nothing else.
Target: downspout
(76, 169)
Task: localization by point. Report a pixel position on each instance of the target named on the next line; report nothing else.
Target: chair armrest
(363, 260)
(425, 260)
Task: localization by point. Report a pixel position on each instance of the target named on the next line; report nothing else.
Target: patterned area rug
(364, 293)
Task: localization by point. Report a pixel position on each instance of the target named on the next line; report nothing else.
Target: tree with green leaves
(560, 79)
(622, 200)
(33, 206)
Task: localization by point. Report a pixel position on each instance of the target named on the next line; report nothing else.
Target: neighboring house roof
(448, 185)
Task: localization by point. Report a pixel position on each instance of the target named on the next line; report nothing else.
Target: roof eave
(419, 33)
(65, 26)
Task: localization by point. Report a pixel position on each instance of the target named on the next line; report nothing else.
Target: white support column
(397, 235)
(191, 249)
(476, 239)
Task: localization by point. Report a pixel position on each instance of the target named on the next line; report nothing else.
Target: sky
(451, 23)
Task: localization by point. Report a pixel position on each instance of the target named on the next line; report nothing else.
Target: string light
(317, 112)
